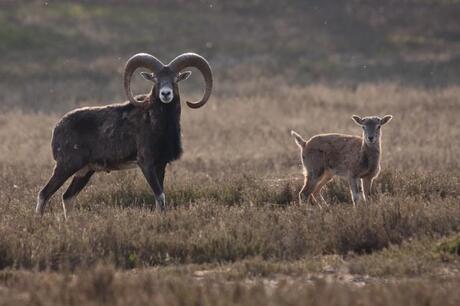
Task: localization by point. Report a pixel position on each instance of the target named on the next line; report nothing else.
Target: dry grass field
(233, 232)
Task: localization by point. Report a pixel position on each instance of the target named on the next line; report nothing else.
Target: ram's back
(94, 133)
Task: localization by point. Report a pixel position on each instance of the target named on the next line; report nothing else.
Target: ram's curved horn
(143, 60)
(197, 61)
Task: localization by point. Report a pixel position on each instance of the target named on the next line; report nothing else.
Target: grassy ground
(233, 228)
(233, 233)
(106, 286)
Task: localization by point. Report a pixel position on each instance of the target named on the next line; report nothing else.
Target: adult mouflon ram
(143, 132)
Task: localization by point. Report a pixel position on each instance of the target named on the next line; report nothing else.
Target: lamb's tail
(298, 139)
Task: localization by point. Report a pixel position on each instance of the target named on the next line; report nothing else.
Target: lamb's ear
(149, 76)
(386, 119)
(298, 139)
(357, 119)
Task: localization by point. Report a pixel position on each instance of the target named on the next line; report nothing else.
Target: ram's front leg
(150, 172)
(160, 169)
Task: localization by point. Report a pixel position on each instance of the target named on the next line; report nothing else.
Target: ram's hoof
(160, 203)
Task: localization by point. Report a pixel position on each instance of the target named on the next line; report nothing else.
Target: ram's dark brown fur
(144, 132)
(109, 136)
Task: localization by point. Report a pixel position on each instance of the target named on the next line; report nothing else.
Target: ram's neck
(165, 124)
(167, 111)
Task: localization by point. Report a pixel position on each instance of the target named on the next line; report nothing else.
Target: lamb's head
(165, 78)
(371, 127)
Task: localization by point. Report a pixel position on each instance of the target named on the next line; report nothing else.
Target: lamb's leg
(310, 183)
(305, 182)
(317, 192)
(356, 190)
(367, 187)
(78, 183)
(315, 201)
(60, 175)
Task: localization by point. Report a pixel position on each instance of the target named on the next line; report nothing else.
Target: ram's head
(166, 77)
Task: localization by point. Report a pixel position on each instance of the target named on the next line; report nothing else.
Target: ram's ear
(183, 76)
(149, 76)
(385, 119)
(357, 119)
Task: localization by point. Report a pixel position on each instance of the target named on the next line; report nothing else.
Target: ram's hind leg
(60, 175)
(79, 181)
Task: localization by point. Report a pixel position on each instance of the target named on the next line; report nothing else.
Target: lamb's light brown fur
(351, 157)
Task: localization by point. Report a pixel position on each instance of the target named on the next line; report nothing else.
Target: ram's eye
(378, 128)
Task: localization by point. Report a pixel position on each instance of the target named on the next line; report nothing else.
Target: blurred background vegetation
(56, 55)
(232, 234)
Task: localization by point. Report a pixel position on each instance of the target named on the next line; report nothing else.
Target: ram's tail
(298, 139)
